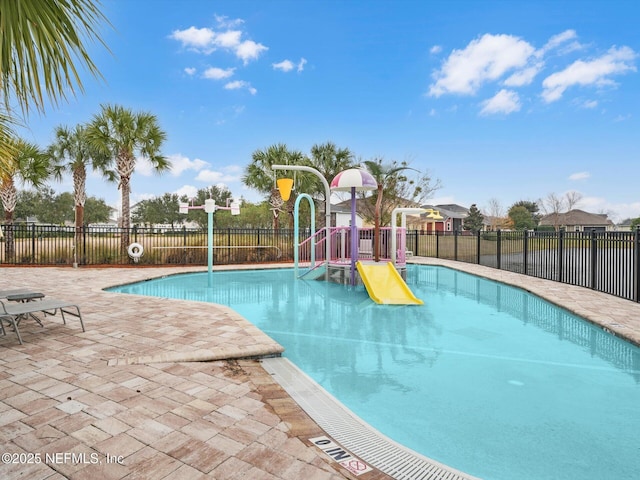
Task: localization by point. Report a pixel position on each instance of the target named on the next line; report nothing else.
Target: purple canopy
(353, 178)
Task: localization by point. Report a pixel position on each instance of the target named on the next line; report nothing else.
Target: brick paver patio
(159, 388)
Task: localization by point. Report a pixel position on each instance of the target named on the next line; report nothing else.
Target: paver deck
(159, 388)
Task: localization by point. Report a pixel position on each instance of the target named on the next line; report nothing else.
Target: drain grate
(352, 433)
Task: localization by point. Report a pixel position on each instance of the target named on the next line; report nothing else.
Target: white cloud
(240, 84)
(199, 39)
(206, 40)
(229, 39)
(224, 22)
(485, 59)
(189, 190)
(435, 49)
(230, 173)
(190, 71)
(144, 167)
(559, 39)
(579, 176)
(616, 61)
(180, 163)
(617, 212)
(249, 50)
(216, 73)
(505, 101)
(589, 104)
(524, 76)
(285, 65)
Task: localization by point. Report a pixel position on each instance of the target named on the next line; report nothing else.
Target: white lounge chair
(13, 313)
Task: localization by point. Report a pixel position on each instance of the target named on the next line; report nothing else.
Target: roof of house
(576, 217)
(450, 210)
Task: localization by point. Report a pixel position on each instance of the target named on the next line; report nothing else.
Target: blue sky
(498, 100)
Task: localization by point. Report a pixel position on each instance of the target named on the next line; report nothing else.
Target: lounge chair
(13, 313)
(15, 291)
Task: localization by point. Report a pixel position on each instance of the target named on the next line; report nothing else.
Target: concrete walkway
(154, 388)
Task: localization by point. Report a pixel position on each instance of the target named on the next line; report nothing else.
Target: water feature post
(209, 207)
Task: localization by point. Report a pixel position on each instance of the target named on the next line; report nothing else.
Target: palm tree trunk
(9, 196)
(80, 196)
(125, 187)
(9, 238)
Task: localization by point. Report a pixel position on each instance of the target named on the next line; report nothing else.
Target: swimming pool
(484, 377)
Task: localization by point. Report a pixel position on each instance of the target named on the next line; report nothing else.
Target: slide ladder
(385, 285)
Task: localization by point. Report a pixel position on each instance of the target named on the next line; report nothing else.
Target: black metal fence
(52, 245)
(605, 261)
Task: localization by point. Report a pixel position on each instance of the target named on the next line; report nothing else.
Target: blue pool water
(484, 377)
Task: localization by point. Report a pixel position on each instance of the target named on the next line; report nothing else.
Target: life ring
(135, 251)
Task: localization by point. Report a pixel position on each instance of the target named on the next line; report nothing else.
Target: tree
(555, 204)
(29, 165)
(260, 176)
(474, 221)
(96, 210)
(401, 189)
(382, 174)
(329, 160)
(495, 213)
(163, 209)
(42, 47)
(116, 136)
(532, 207)
(521, 218)
(72, 152)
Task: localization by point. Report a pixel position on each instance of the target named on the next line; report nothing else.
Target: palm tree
(116, 136)
(383, 174)
(28, 165)
(71, 151)
(259, 174)
(41, 49)
(329, 160)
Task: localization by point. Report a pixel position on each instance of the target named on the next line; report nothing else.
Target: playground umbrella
(353, 180)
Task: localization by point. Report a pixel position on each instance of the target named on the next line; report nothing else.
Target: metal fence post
(525, 252)
(437, 245)
(478, 247)
(561, 254)
(33, 243)
(455, 245)
(499, 249)
(636, 264)
(594, 258)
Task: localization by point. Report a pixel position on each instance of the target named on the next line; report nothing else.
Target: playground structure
(345, 254)
(210, 208)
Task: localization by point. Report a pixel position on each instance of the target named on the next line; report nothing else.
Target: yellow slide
(385, 285)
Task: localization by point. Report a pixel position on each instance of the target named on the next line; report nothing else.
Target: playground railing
(340, 238)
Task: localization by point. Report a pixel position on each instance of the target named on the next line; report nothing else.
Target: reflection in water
(486, 378)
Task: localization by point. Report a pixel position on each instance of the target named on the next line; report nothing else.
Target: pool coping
(353, 433)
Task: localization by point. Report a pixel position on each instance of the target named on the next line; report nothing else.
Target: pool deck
(160, 388)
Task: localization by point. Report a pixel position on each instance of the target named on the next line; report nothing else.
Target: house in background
(452, 217)
(341, 215)
(625, 225)
(578, 221)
